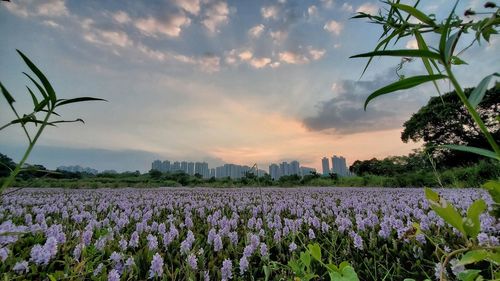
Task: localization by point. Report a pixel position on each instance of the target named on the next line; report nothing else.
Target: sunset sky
(217, 81)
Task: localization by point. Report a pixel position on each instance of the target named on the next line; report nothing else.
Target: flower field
(224, 234)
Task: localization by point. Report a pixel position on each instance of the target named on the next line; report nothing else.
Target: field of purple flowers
(223, 234)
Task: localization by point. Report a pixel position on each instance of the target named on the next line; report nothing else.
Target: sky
(219, 81)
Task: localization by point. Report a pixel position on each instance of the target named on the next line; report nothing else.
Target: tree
(155, 174)
(6, 165)
(445, 120)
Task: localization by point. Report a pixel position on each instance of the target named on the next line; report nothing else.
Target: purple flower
(187, 243)
(292, 247)
(152, 242)
(192, 261)
(311, 234)
(156, 268)
(4, 254)
(263, 249)
(134, 240)
(21, 267)
(227, 270)
(129, 263)
(114, 275)
(217, 243)
(123, 244)
(98, 269)
(78, 251)
(358, 241)
(41, 255)
(243, 264)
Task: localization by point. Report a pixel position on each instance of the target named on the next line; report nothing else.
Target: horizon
(216, 81)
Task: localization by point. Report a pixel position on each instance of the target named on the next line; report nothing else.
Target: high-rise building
(184, 166)
(339, 166)
(274, 171)
(294, 168)
(284, 169)
(304, 171)
(212, 173)
(190, 168)
(176, 167)
(326, 166)
(165, 166)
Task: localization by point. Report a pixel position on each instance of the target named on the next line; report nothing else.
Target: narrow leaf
(477, 94)
(445, 32)
(33, 97)
(450, 45)
(7, 95)
(423, 46)
(46, 84)
(64, 101)
(472, 149)
(41, 105)
(403, 84)
(400, 53)
(445, 210)
(415, 13)
(39, 87)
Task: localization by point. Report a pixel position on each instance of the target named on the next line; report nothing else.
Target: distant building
(339, 166)
(304, 171)
(212, 173)
(184, 166)
(190, 168)
(326, 166)
(165, 166)
(274, 171)
(294, 168)
(176, 167)
(156, 165)
(284, 169)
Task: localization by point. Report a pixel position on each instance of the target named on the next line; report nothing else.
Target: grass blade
(415, 13)
(46, 84)
(478, 93)
(472, 149)
(400, 53)
(423, 46)
(7, 95)
(64, 101)
(35, 101)
(42, 91)
(403, 84)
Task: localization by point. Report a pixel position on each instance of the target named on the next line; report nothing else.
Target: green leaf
(445, 210)
(81, 99)
(423, 46)
(478, 93)
(52, 278)
(46, 84)
(343, 264)
(457, 61)
(403, 84)
(267, 272)
(39, 87)
(445, 31)
(471, 224)
(472, 149)
(415, 13)
(450, 45)
(473, 257)
(7, 95)
(315, 251)
(400, 53)
(493, 187)
(332, 268)
(305, 258)
(468, 275)
(349, 274)
(33, 97)
(41, 105)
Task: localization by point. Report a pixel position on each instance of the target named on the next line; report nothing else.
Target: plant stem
(16, 171)
(472, 111)
(447, 260)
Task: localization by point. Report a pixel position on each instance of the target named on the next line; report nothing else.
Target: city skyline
(217, 81)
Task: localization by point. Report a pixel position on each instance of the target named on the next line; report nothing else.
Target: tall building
(212, 173)
(165, 166)
(190, 168)
(274, 171)
(156, 165)
(304, 171)
(284, 169)
(294, 168)
(184, 166)
(326, 166)
(176, 167)
(339, 166)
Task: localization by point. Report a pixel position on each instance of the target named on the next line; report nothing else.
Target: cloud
(245, 55)
(216, 15)
(278, 36)
(412, 44)
(260, 62)
(368, 8)
(316, 54)
(190, 6)
(26, 8)
(344, 113)
(104, 37)
(269, 12)
(347, 8)
(51, 23)
(334, 27)
(327, 3)
(312, 11)
(121, 17)
(171, 26)
(256, 31)
(209, 63)
(293, 58)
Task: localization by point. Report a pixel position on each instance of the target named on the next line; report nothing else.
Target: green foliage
(45, 107)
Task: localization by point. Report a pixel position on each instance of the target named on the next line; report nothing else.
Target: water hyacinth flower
(123, 244)
(263, 249)
(21, 267)
(292, 247)
(227, 270)
(243, 265)
(41, 255)
(114, 275)
(98, 269)
(156, 268)
(134, 240)
(311, 234)
(187, 243)
(4, 254)
(192, 261)
(217, 243)
(129, 263)
(152, 242)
